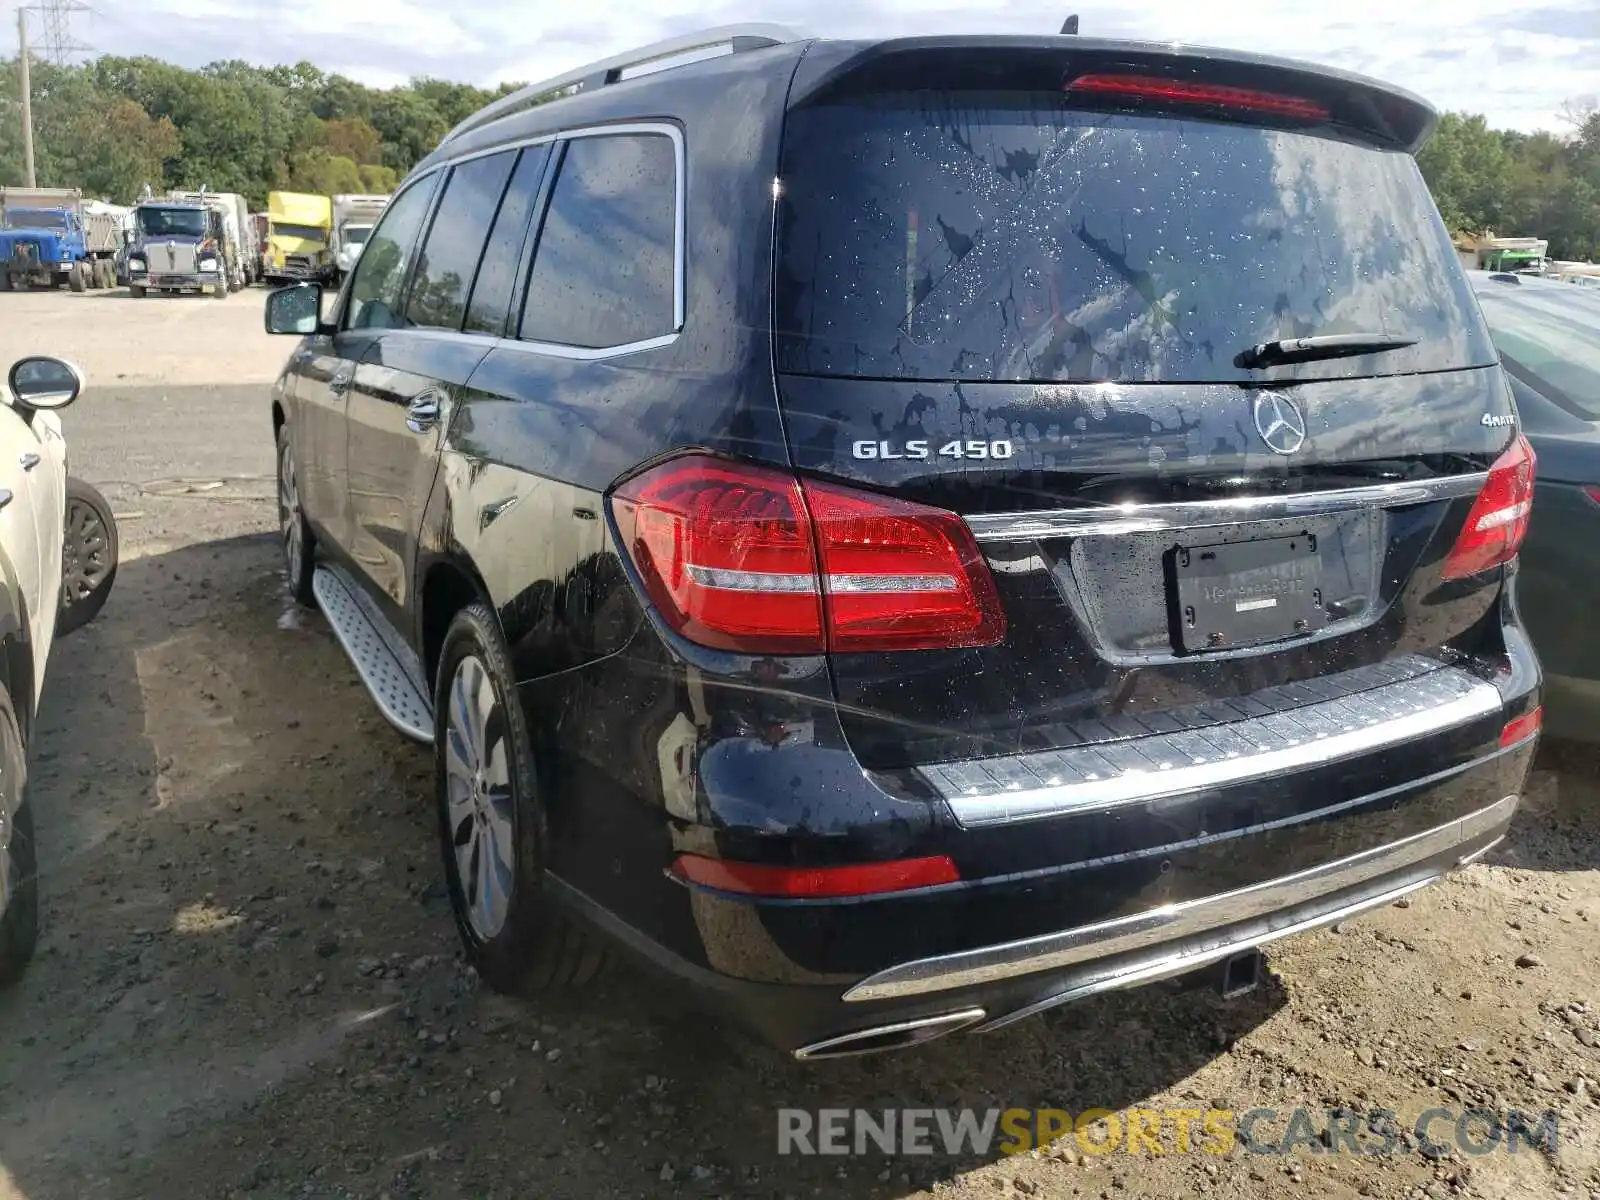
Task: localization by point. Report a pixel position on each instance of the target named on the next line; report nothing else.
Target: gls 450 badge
(921, 448)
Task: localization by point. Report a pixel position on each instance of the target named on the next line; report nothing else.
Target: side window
(497, 276)
(449, 257)
(375, 288)
(603, 271)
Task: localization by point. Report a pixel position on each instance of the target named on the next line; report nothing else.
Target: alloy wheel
(85, 557)
(478, 798)
(289, 514)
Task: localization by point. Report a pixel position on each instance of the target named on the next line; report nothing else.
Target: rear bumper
(789, 971)
(1178, 938)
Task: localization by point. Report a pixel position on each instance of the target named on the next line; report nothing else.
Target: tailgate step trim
(1176, 938)
(1111, 519)
(389, 670)
(1089, 778)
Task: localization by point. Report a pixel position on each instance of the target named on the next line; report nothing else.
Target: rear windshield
(1551, 340)
(1007, 236)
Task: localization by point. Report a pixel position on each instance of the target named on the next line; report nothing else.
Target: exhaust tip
(899, 1036)
(1241, 974)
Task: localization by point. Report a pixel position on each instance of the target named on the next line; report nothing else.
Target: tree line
(114, 124)
(1520, 184)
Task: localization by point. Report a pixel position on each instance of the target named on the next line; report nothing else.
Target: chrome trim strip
(1111, 519)
(1193, 918)
(936, 1027)
(1181, 964)
(1104, 775)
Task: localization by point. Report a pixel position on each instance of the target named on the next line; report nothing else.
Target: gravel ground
(247, 984)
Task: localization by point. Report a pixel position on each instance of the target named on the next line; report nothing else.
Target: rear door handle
(423, 413)
(29, 461)
(340, 384)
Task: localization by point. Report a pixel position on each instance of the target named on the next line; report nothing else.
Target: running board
(386, 665)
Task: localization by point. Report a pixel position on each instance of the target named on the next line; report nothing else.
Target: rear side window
(603, 274)
(1008, 236)
(497, 276)
(374, 301)
(1550, 340)
(449, 258)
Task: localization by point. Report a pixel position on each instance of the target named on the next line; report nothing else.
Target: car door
(325, 365)
(409, 379)
(24, 462)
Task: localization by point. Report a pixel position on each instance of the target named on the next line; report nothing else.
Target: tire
(5, 281)
(108, 274)
(299, 544)
(19, 923)
(137, 291)
(516, 937)
(88, 557)
(78, 277)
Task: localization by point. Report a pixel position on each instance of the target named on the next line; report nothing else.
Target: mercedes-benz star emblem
(1280, 423)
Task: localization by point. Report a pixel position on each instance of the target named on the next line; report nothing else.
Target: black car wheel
(88, 557)
(491, 821)
(299, 547)
(19, 888)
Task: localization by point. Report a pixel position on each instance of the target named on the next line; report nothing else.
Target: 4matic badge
(1493, 421)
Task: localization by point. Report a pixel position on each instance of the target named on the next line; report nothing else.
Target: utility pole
(27, 99)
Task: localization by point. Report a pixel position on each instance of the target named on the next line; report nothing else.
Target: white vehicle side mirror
(41, 382)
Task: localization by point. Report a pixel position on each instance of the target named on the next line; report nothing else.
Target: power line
(55, 41)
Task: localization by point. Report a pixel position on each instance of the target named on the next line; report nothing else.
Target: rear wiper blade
(1327, 345)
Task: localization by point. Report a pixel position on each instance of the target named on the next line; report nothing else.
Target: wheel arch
(449, 584)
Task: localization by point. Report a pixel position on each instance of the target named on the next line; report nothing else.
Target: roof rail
(689, 47)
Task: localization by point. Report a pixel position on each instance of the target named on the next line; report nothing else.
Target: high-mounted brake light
(795, 883)
(1183, 91)
(751, 559)
(1499, 518)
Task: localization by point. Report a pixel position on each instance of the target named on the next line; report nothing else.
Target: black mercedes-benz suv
(908, 533)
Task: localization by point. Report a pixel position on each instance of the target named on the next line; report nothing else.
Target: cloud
(1514, 60)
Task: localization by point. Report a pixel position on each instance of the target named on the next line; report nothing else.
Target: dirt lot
(247, 983)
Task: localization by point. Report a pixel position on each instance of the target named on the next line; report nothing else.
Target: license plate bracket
(1229, 595)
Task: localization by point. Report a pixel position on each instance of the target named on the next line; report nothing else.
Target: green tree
(353, 138)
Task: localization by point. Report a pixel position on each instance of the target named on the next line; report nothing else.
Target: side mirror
(45, 382)
(296, 309)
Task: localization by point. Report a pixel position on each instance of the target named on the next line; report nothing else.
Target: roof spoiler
(1357, 107)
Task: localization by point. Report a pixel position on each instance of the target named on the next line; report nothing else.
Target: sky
(1516, 61)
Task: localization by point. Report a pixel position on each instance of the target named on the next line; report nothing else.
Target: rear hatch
(1047, 285)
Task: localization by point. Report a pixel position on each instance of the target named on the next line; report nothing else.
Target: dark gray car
(1548, 336)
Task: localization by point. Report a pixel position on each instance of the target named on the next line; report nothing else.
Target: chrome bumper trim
(1177, 938)
(994, 791)
(1112, 519)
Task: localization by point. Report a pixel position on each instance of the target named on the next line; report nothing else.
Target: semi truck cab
(177, 247)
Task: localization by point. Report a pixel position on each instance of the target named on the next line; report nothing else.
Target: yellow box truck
(299, 238)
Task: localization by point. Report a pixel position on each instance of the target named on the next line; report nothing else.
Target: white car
(57, 562)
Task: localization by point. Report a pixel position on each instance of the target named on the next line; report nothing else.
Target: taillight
(1182, 91)
(1592, 490)
(1499, 518)
(751, 559)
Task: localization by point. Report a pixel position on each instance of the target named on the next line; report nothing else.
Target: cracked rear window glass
(1009, 237)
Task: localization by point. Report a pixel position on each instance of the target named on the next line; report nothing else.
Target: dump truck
(50, 237)
(299, 238)
(353, 220)
(235, 236)
(178, 246)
